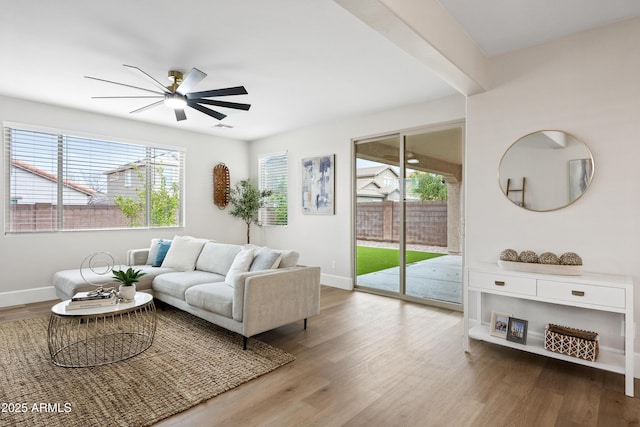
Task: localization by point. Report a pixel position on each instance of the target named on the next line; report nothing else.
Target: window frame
(268, 215)
(71, 136)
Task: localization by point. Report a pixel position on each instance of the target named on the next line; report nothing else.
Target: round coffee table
(101, 335)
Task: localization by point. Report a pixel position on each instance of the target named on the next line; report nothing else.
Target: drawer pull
(499, 283)
(577, 293)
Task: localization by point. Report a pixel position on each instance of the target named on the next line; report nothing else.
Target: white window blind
(273, 175)
(57, 182)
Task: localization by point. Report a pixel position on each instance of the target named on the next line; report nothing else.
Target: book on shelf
(91, 296)
(79, 305)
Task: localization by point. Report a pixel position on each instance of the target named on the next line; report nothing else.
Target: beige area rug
(190, 361)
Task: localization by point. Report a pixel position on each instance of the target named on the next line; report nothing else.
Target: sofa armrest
(278, 298)
(238, 291)
(137, 256)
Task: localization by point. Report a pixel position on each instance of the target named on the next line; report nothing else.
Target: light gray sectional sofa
(246, 289)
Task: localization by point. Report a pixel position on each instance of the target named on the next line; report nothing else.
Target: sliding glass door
(408, 215)
(377, 202)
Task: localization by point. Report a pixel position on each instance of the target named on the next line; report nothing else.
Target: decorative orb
(509, 255)
(549, 258)
(570, 258)
(528, 256)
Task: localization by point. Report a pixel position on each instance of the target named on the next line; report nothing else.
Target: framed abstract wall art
(318, 185)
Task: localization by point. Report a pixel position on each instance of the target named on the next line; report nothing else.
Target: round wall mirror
(546, 170)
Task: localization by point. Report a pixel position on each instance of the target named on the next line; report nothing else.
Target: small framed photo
(517, 330)
(499, 324)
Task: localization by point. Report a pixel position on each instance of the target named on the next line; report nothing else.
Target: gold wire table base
(83, 340)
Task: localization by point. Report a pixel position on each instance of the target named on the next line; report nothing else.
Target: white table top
(141, 299)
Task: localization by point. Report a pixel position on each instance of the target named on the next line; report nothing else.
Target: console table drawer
(498, 282)
(586, 294)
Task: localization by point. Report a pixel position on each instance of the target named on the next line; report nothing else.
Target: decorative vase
(127, 292)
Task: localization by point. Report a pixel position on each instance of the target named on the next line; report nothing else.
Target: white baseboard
(337, 281)
(27, 296)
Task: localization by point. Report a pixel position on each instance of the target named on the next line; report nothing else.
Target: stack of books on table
(83, 300)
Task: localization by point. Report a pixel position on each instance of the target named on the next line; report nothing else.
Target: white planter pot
(127, 292)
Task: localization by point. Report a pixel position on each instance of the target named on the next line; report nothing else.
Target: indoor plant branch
(246, 200)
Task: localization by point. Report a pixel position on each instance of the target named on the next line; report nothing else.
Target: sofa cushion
(161, 253)
(152, 255)
(241, 264)
(68, 282)
(214, 297)
(217, 257)
(153, 251)
(176, 283)
(183, 253)
(289, 258)
(265, 259)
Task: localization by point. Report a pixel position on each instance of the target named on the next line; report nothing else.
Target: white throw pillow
(289, 258)
(153, 251)
(183, 253)
(265, 259)
(241, 264)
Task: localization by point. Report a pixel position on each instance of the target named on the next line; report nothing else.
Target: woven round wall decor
(221, 186)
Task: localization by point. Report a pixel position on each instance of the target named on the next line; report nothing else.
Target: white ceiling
(302, 61)
(499, 26)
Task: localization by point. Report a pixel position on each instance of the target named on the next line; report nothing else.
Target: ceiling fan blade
(119, 97)
(157, 83)
(234, 105)
(237, 90)
(207, 111)
(147, 107)
(122, 84)
(194, 77)
(180, 114)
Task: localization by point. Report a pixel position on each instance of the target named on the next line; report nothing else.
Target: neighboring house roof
(367, 186)
(373, 194)
(373, 171)
(165, 159)
(361, 184)
(51, 177)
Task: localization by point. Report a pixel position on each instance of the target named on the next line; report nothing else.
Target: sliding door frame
(402, 135)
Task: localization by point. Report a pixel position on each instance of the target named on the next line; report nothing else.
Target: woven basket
(572, 342)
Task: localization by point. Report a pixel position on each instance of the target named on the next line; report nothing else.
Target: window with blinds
(58, 182)
(273, 176)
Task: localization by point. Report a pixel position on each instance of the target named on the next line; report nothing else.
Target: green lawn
(370, 259)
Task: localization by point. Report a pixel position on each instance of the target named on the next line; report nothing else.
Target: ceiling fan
(177, 95)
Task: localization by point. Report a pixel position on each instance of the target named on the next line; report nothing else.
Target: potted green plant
(246, 200)
(127, 280)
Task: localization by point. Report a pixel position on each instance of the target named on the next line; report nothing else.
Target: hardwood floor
(374, 361)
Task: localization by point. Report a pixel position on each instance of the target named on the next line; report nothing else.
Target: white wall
(587, 85)
(27, 261)
(323, 240)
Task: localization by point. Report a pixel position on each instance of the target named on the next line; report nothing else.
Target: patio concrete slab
(436, 278)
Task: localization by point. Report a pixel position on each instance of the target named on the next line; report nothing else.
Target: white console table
(589, 291)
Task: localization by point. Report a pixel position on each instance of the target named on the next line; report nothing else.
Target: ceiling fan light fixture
(178, 95)
(175, 100)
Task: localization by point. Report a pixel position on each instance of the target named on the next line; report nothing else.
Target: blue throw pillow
(163, 248)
